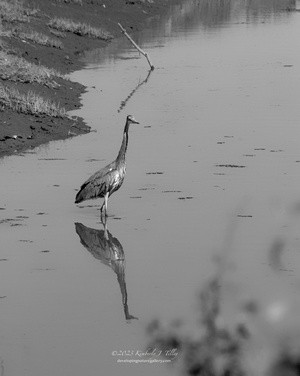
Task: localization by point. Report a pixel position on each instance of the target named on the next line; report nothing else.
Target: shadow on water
(206, 13)
(192, 15)
(107, 249)
(211, 14)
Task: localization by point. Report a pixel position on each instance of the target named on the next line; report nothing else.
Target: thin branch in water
(136, 46)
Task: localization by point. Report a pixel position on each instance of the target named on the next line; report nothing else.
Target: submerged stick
(136, 46)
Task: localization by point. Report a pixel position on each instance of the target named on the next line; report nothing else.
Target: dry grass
(82, 29)
(57, 33)
(2, 33)
(29, 103)
(14, 68)
(40, 38)
(14, 10)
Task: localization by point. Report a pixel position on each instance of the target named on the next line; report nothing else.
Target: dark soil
(18, 131)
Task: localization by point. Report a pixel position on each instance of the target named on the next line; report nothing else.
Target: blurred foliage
(240, 334)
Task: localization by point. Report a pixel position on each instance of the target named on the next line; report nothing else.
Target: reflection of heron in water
(106, 248)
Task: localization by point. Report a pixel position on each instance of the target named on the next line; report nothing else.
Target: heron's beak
(134, 121)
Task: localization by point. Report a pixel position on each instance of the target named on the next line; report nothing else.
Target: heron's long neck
(123, 148)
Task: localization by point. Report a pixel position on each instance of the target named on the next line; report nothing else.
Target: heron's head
(131, 120)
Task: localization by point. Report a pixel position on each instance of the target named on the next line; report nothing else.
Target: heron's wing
(101, 174)
(98, 184)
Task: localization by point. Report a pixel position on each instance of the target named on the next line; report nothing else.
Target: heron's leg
(104, 223)
(102, 206)
(106, 202)
(101, 212)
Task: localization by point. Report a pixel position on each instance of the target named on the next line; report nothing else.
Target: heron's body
(110, 178)
(105, 181)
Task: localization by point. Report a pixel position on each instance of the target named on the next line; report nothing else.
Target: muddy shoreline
(21, 131)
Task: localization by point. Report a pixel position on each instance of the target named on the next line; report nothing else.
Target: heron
(109, 179)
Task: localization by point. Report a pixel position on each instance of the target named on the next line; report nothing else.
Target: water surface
(213, 170)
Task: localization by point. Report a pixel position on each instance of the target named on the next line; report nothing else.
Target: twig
(136, 46)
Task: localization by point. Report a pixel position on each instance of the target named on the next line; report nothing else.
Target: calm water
(213, 171)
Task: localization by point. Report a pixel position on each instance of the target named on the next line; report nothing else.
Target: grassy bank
(41, 41)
